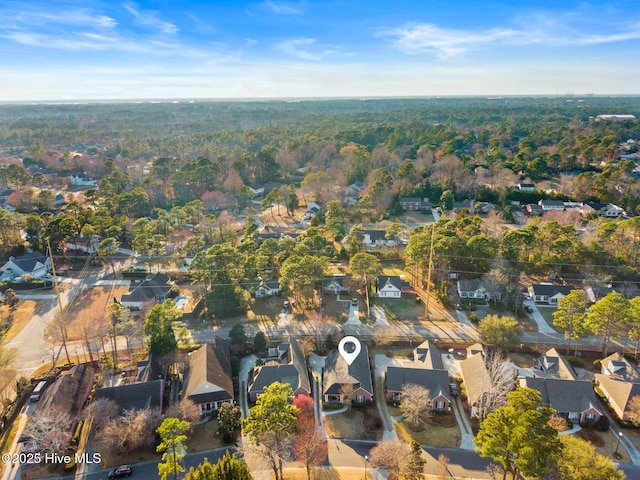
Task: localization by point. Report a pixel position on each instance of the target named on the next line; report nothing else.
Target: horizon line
(307, 99)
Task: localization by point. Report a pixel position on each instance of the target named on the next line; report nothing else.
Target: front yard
(357, 424)
(14, 321)
(401, 309)
(443, 432)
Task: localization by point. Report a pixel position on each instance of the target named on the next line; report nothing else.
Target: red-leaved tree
(309, 444)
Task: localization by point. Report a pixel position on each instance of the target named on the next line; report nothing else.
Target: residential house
(426, 370)
(526, 187)
(59, 200)
(608, 210)
(435, 381)
(412, 204)
(548, 205)
(548, 293)
(389, 286)
(134, 396)
(343, 381)
(376, 238)
(465, 204)
(476, 379)
(312, 210)
(336, 284)
(82, 179)
(533, 209)
(288, 367)
(475, 289)
(619, 368)
(618, 383)
(70, 391)
(552, 365)
(209, 383)
(428, 356)
(572, 399)
(33, 263)
(154, 289)
(353, 193)
(80, 243)
(267, 288)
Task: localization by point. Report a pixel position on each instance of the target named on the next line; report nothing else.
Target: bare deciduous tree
(634, 410)
(390, 455)
(415, 405)
(443, 467)
(131, 430)
(100, 412)
(51, 429)
(497, 382)
(320, 324)
(187, 410)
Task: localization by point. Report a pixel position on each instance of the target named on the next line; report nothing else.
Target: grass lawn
(359, 424)
(401, 309)
(547, 314)
(265, 310)
(115, 458)
(605, 443)
(204, 437)
(443, 432)
(521, 360)
(90, 304)
(326, 473)
(17, 319)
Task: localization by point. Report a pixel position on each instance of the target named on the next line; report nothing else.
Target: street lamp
(366, 458)
(616, 454)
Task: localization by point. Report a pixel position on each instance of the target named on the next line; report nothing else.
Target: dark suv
(121, 471)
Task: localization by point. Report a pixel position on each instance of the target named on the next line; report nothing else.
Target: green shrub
(76, 434)
(333, 405)
(602, 425)
(597, 365)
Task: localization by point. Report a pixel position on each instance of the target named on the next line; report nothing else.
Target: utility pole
(57, 290)
(426, 306)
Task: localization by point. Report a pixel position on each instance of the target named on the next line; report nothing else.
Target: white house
(32, 263)
(82, 179)
(548, 205)
(389, 286)
(266, 289)
(376, 238)
(475, 289)
(526, 187)
(549, 293)
(80, 243)
(154, 289)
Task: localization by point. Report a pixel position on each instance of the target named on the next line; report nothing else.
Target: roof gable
(210, 370)
(337, 369)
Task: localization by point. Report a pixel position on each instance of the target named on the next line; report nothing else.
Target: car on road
(528, 308)
(121, 471)
(453, 389)
(459, 307)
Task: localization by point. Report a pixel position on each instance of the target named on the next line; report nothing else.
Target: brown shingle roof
(210, 373)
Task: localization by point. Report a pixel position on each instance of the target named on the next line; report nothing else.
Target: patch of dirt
(591, 436)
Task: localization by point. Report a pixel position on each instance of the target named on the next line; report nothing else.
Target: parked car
(528, 308)
(459, 307)
(453, 388)
(121, 471)
(286, 305)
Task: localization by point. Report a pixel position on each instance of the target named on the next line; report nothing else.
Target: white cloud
(283, 8)
(425, 38)
(300, 47)
(150, 18)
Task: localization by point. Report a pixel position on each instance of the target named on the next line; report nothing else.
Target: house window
(440, 405)
(590, 416)
(359, 398)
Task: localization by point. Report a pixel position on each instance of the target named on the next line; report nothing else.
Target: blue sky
(94, 49)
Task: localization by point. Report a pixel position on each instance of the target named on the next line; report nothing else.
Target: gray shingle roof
(136, 396)
(618, 391)
(28, 261)
(338, 372)
(620, 367)
(436, 381)
(394, 280)
(551, 290)
(565, 396)
(470, 285)
(428, 356)
(150, 288)
(293, 372)
(551, 364)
